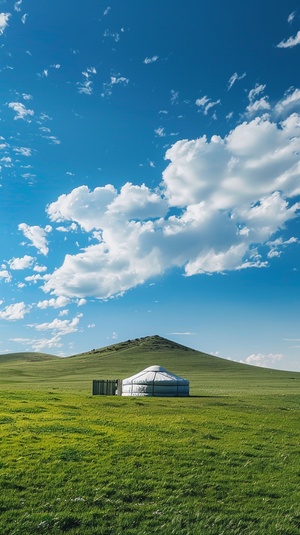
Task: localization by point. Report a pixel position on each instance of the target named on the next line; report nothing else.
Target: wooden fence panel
(106, 387)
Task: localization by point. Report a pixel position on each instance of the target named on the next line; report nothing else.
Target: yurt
(155, 381)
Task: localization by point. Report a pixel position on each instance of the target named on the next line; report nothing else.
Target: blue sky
(150, 176)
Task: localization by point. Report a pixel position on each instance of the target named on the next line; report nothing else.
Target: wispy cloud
(205, 104)
(290, 42)
(256, 105)
(117, 80)
(86, 87)
(235, 78)
(150, 60)
(291, 17)
(106, 11)
(23, 151)
(17, 5)
(174, 96)
(114, 35)
(160, 131)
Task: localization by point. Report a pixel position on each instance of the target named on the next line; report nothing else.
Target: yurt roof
(156, 374)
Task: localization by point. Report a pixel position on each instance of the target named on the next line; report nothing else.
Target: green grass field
(224, 461)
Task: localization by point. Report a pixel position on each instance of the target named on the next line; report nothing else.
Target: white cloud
(150, 60)
(138, 202)
(291, 17)
(21, 111)
(37, 236)
(43, 74)
(41, 344)
(205, 104)
(107, 10)
(14, 312)
(256, 105)
(23, 151)
(86, 87)
(17, 5)
(34, 278)
(264, 361)
(160, 131)
(290, 42)
(174, 96)
(40, 269)
(24, 18)
(114, 35)
(276, 246)
(74, 206)
(234, 78)
(291, 100)
(114, 80)
(219, 200)
(119, 80)
(4, 274)
(81, 302)
(4, 18)
(21, 263)
(54, 303)
(62, 327)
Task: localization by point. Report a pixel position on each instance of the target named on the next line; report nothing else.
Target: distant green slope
(207, 374)
(26, 357)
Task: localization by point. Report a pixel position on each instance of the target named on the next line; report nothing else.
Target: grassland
(223, 462)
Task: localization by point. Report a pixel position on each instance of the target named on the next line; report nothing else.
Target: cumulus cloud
(290, 42)
(54, 303)
(40, 344)
(220, 199)
(264, 361)
(37, 236)
(21, 263)
(5, 275)
(21, 111)
(14, 312)
(4, 18)
(62, 327)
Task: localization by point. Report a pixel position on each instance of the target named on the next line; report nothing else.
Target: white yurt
(155, 381)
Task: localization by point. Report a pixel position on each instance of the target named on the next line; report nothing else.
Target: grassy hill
(207, 374)
(223, 461)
